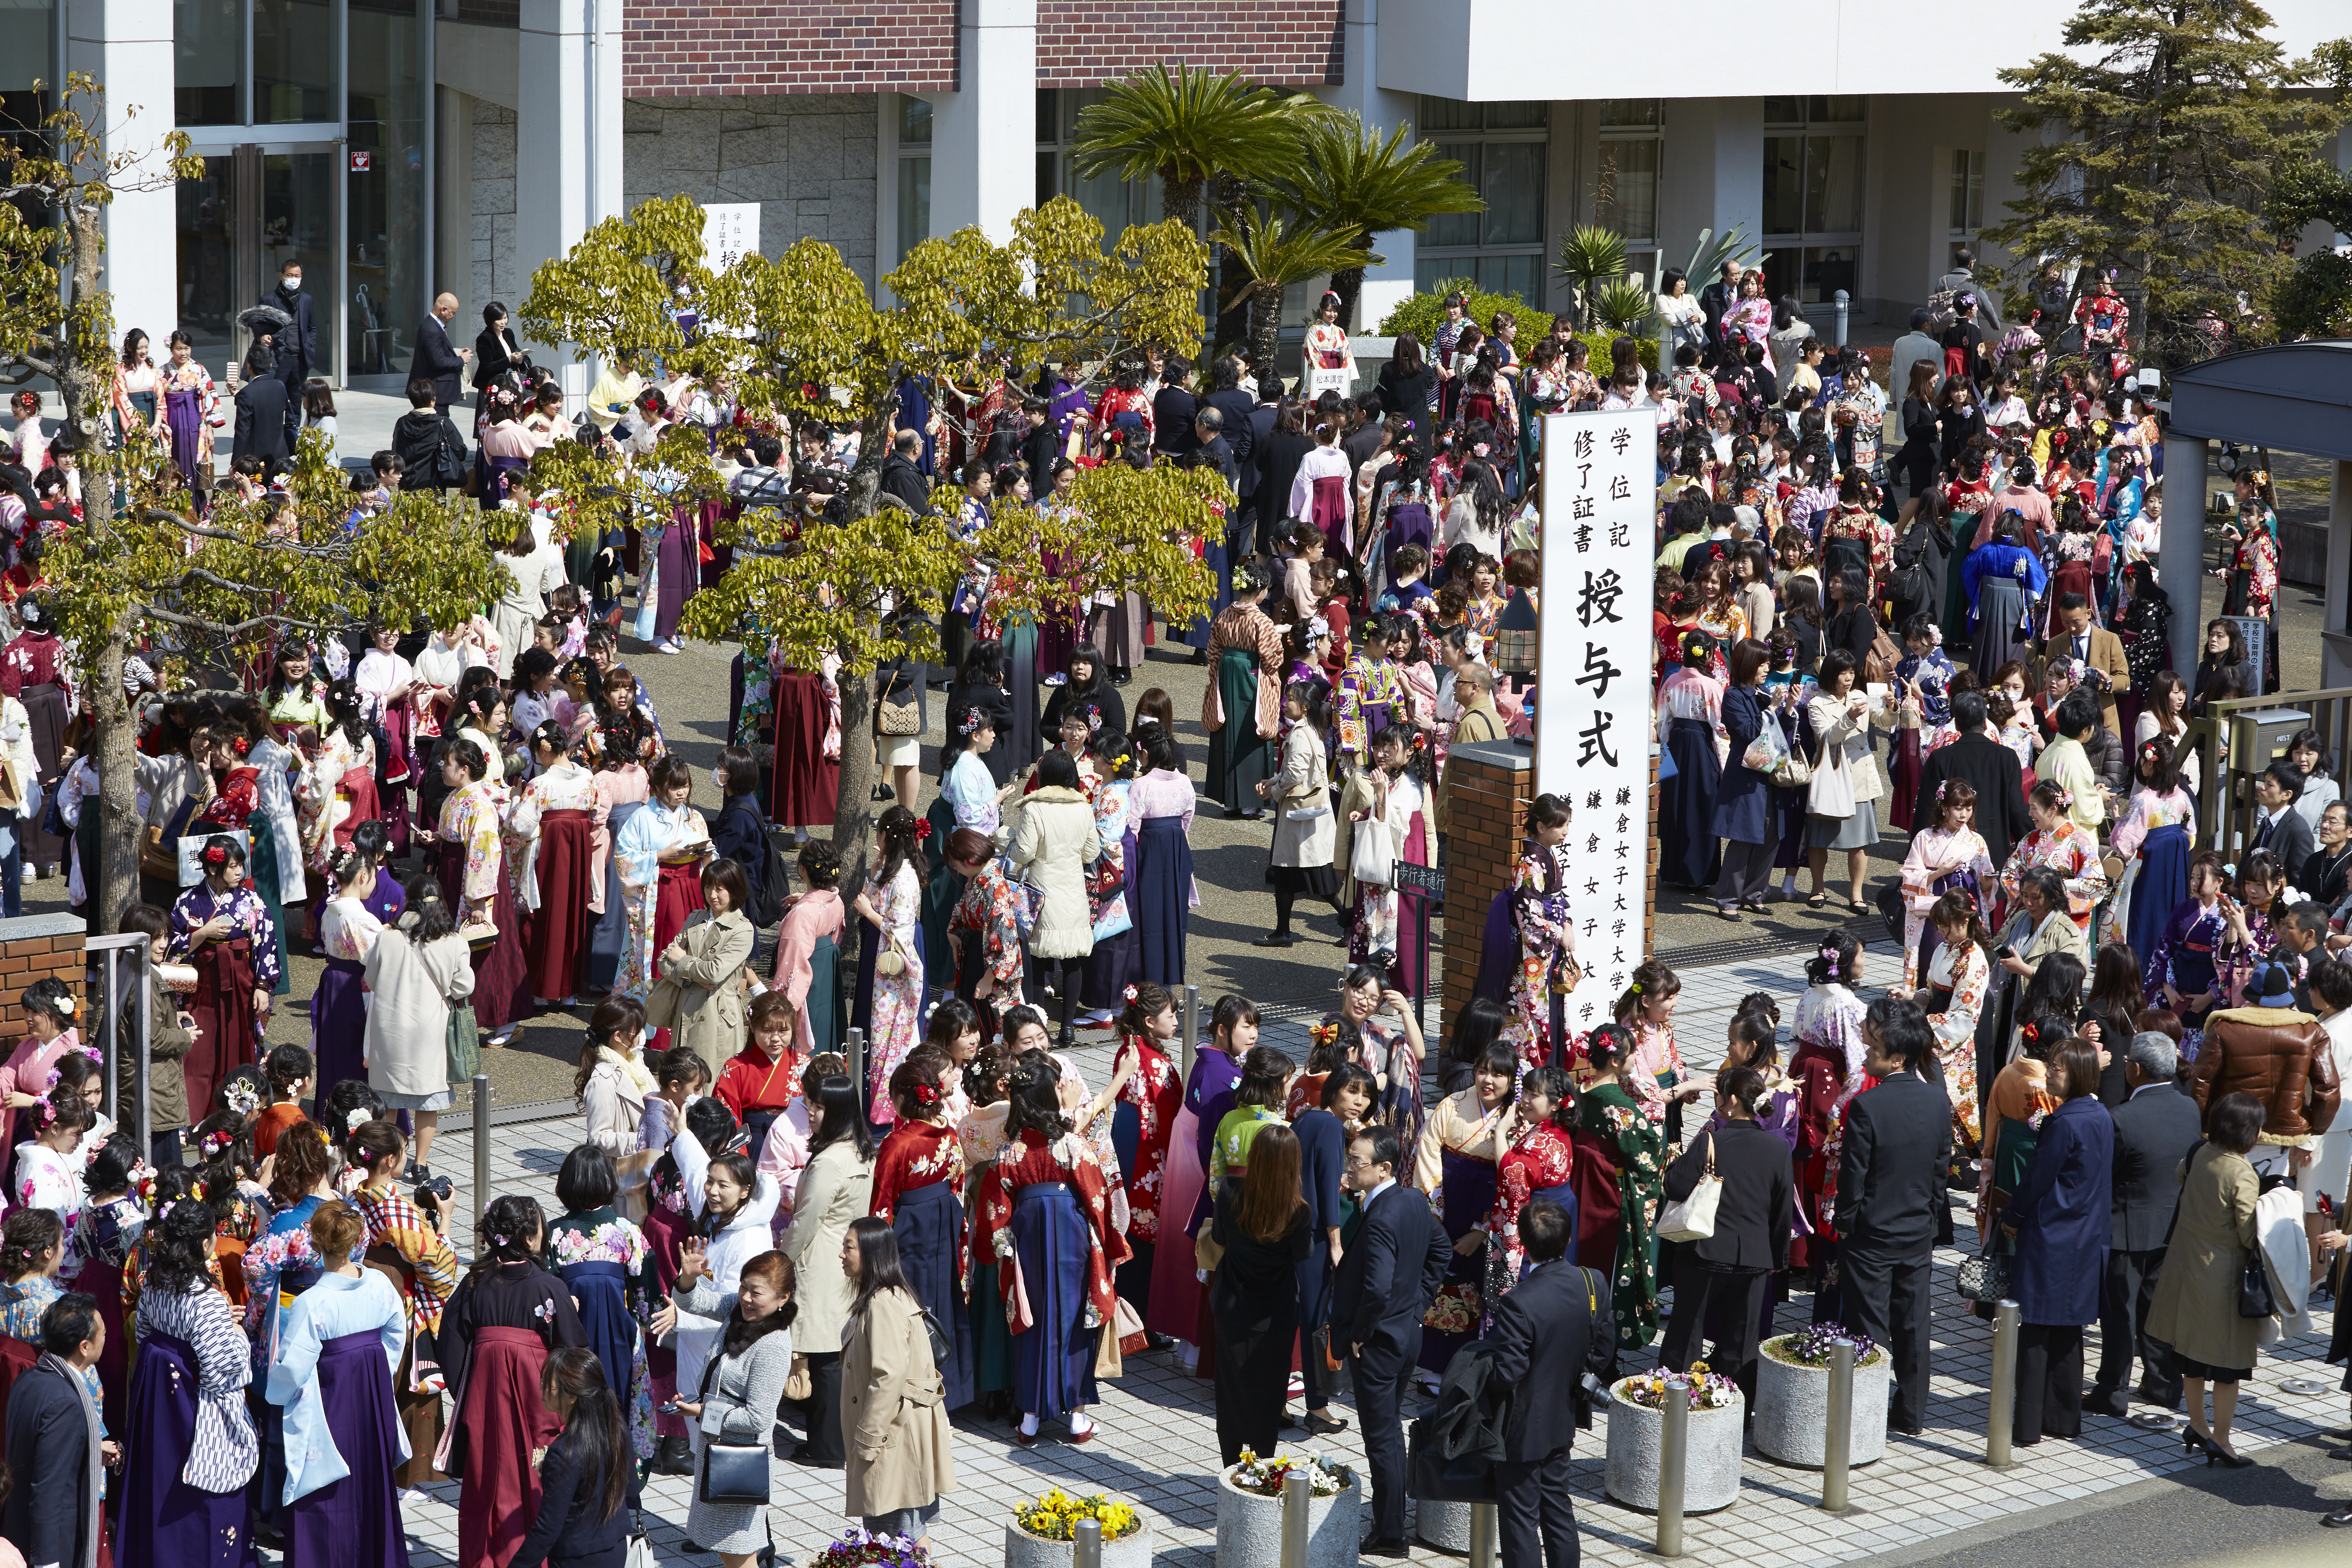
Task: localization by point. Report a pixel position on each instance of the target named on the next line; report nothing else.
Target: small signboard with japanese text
(730, 230)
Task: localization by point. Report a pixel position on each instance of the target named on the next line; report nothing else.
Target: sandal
(1857, 907)
(1819, 900)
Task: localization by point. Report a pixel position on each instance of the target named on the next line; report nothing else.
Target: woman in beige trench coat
(892, 1406)
(2196, 1306)
(704, 970)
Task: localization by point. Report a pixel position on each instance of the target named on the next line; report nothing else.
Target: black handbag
(1438, 1478)
(734, 1475)
(2254, 1287)
(1985, 1277)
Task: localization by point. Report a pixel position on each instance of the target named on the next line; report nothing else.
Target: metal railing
(2236, 748)
(113, 954)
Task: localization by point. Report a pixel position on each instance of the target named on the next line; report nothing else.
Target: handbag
(1372, 858)
(2254, 1300)
(734, 1475)
(899, 719)
(1692, 1218)
(465, 1045)
(1984, 1278)
(799, 1382)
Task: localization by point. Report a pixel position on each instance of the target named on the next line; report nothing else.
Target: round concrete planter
(1023, 1549)
(1249, 1527)
(1792, 1404)
(1710, 1459)
(1444, 1525)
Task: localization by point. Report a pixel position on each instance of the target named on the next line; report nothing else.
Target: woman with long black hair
(1266, 1231)
(894, 1400)
(585, 1478)
(836, 1187)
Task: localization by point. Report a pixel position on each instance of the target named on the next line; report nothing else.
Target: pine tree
(2160, 134)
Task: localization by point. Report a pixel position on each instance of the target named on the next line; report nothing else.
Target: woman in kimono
(621, 793)
(2180, 967)
(2002, 580)
(1454, 1164)
(1955, 988)
(919, 1177)
(505, 1315)
(1176, 1297)
(603, 1260)
(1945, 857)
(184, 1483)
(413, 1252)
(1690, 723)
(474, 880)
(347, 931)
(1544, 934)
(191, 409)
(223, 928)
(1116, 961)
(890, 994)
(1827, 1066)
(332, 1376)
(659, 854)
(2065, 846)
(1143, 1120)
(550, 831)
(337, 786)
(2256, 535)
(1043, 1217)
(1371, 695)
(1537, 1165)
(1614, 1120)
(384, 680)
(1159, 812)
(1388, 796)
(2156, 836)
(1241, 706)
(984, 932)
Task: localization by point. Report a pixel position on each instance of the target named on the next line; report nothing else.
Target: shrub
(1420, 313)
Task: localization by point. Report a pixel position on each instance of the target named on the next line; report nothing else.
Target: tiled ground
(1157, 1442)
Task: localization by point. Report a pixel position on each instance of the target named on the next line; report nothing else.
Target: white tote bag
(1692, 1218)
(1372, 858)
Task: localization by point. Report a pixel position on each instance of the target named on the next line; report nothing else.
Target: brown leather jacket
(2280, 1056)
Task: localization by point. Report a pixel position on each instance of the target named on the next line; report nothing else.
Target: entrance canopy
(2293, 397)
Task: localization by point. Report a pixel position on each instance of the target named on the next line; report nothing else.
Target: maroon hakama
(807, 783)
(556, 934)
(223, 1009)
(501, 988)
(677, 896)
(506, 1423)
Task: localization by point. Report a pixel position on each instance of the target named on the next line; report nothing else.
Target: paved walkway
(1158, 1443)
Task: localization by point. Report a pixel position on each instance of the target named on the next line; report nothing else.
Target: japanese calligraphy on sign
(1593, 681)
(731, 230)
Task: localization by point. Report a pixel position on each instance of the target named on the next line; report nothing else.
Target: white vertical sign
(730, 230)
(1593, 680)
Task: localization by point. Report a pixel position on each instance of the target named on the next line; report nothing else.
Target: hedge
(1420, 313)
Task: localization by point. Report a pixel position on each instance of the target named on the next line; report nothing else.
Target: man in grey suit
(2155, 1126)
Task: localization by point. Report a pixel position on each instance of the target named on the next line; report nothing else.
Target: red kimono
(1027, 1161)
(1156, 1094)
(1821, 1082)
(918, 1155)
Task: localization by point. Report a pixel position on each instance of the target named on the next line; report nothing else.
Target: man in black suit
(55, 1448)
(2287, 833)
(1387, 1279)
(437, 360)
(1715, 300)
(1236, 404)
(1172, 409)
(1751, 1231)
(1553, 1328)
(2155, 1126)
(1990, 768)
(1898, 1144)
(261, 429)
(297, 343)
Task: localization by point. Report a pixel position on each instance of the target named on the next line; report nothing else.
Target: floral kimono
(1371, 697)
(401, 1239)
(2070, 850)
(191, 410)
(1609, 1113)
(1940, 862)
(1155, 1093)
(1827, 1066)
(1933, 671)
(470, 818)
(1539, 1163)
(988, 907)
(1229, 1148)
(652, 833)
(1544, 933)
(1958, 979)
(2147, 811)
(2186, 958)
(318, 809)
(1031, 1161)
(1454, 1162)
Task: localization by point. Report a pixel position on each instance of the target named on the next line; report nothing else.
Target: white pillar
(569, 116)
(1389, 284)
(2180, 558)
(126, 46)
(1712, 173)
(2335, 667)
(984, 135)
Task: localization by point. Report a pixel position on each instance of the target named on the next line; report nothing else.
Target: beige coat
(1056, 840)
(1847, 774)
(1303, 784)
(837, 1187)
(2196, 1306)
(711, 1008)
(410, 990)
(893, 1414)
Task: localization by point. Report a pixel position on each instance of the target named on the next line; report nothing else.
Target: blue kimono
(336, 1306)
(1998, 559)
(2062, 1218)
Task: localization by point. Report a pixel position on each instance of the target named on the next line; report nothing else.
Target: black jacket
(436, 361)
(1990, 768)
(51, 1509)
(1278, 457)
(1898, 1142)
(1240, 436)
(1217, 454)
(1390, 1274)
(1715, 301)
(297, 343)
(1752, 1218)
(494, 353)
(2154, 1132)
(905, 480)
(739, 833)
(432, 452)
(261, 420)
(1171, 420)
(1552, 1329)
(1409, 396)
(571, 1528)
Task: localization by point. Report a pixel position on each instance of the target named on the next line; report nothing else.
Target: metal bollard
(1297, 1498)
(1674, 1443)
(1483, 1527)
(853, 1048)
(2004, 1385)
(1839, 314)
(1086, 1546)
(1192, 1027)
(481, 1141)
(1837, 1435)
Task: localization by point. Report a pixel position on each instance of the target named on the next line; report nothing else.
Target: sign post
(1592, 691)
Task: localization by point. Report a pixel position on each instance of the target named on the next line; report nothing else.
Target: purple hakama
(338, 1028)
(165, 1519)
(353, 1522)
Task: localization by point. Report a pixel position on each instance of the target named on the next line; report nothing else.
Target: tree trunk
(77, 379)
(853, 813)
(1348, 283)
(1265, 325)
(113, 882)
(1180, 199)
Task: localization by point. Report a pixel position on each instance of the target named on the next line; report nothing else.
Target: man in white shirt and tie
(2098, 650)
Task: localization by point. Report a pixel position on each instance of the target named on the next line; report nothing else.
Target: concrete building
(403, 147)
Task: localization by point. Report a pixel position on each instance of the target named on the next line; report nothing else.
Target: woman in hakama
(1144, 1119)
(1175, 1308)
(191, 1448)
(224, 930)
(474, 882)
(550, 830)
(1690, 722)
(1454, 1164)
(1241, 707)
(659, 853)
(918, 1175)
(347, 931)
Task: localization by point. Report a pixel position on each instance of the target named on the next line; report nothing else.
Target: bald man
(437, 360)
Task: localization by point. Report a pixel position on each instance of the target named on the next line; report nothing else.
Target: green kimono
(1607, 1111)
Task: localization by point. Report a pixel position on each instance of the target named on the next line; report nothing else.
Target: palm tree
(1188, 127)
(1277, 256)
(1344, 178)
(1590, 257)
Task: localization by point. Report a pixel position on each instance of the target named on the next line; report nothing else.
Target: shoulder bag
(2255, 1299)
(734, 1475)
(1985, 1277)
(1692, 1218)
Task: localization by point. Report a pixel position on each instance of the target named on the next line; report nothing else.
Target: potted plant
(857, 1549)
(1636, 1440)
(1793, 1396)
(1042, 1534)
(1249, 1512)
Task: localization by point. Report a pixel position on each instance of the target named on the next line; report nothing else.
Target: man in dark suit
(2287, 833)
(1752, 1231)
(2155, 1126)
(1553, 1328)
(901, 477)
(438, 360)
(1236, 403)
(261, 430)
(1210, 449)
(1898, 1144)
(1990, 768)
(297, 343)
(1172, 409)
(55, 1448)
(1387, 1279)
(1715, 300)
(2098, 650)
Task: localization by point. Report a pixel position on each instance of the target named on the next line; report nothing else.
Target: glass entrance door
(257, 206)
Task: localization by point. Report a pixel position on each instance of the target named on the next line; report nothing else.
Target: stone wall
(495, 272)
(808, 160)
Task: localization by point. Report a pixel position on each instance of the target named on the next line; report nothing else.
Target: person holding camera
(408, 1242)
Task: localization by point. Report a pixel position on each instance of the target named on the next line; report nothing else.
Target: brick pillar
(1487, 787)
(35, 947)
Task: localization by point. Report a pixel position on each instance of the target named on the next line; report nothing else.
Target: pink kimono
(817, 913)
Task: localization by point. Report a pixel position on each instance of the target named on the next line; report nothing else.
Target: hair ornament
(973, 718)
(46, 1114)
(355, 1119)
(214, 1142)
(1324, 1033)
(498, 1239)
(2031, 1032)
(926, 1094)
(922, 830)
(241, 1097)
(1829, 955)
(2065, 796)
(165, 1212)
(215, 857)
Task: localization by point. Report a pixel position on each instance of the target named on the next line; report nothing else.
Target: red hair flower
(926, 1094)
(923, 830)
(216, 856)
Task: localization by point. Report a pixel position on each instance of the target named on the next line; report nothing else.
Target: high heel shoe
(2194, 1441)
(2215, 1454)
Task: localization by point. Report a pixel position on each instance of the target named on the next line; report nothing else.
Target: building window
(1813, 151)
(914, 175)
(1632, 132)
(1502, 149)
(1968, 200)
(1116, 203)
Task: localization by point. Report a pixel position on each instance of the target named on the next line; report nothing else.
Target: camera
(435, 1188)
(2004, 951)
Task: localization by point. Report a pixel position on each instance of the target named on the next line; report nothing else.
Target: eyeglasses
(1356, 1164)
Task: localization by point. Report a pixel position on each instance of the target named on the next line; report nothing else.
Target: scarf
(633, 1068)
(93, 1463)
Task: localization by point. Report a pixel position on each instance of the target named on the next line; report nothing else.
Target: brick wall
(1487, 787)
(35, 947)
(1282, 43)
(719, 47)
